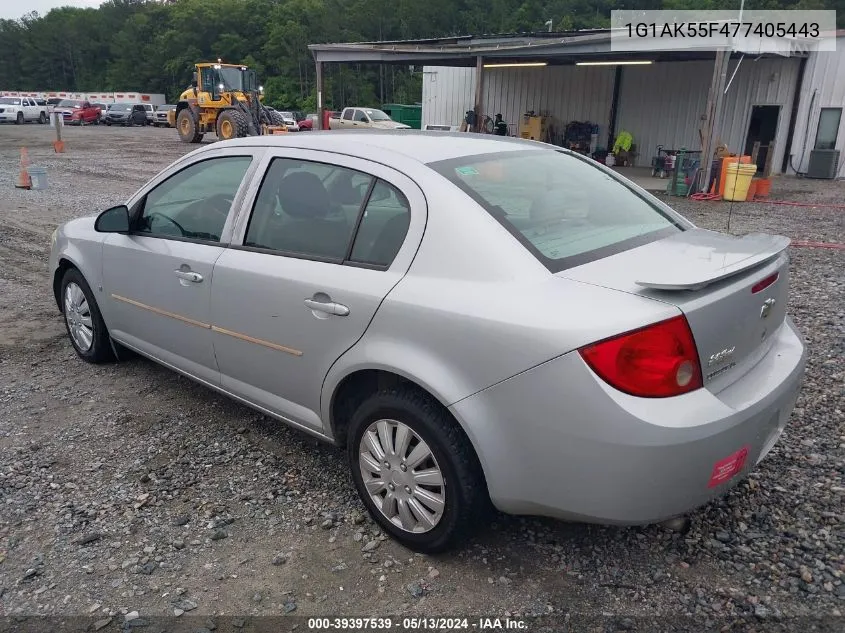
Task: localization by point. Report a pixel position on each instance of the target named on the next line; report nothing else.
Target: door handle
(188, 276)
(329, 307)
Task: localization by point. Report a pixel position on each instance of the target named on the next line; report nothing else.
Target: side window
(383, 227)
(307, 208)
(828, 129)
(347, 114)
(360, 116)
(207, 79)
(194, 203)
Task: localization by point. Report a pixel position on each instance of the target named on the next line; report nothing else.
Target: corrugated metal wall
(447, 93)
(662, 104)
(568, 93)
(658, 104)
(824, 74)
(764, 82)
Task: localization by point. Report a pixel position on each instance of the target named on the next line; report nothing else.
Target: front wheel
(19, 119)
(416, 470)
(232, 124)
(187, 127)
(83, 321)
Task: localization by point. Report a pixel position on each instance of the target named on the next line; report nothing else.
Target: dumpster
(410, 115)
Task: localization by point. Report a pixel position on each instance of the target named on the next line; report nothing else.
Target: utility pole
(715, 100)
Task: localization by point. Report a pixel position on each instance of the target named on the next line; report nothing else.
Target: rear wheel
(84, 323)
(19, 118)
(415, 470)
(232, 124)
(187, 126)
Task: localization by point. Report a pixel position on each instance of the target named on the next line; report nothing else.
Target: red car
(78, 112)
(307, 122)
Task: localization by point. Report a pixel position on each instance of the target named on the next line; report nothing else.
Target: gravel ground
(126, 488)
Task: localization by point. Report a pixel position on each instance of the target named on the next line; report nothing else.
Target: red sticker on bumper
(726, 468)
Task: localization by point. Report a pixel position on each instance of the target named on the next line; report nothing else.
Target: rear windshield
(563, 208)
(70, 103)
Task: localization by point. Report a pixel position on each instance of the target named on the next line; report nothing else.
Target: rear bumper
(557, 441)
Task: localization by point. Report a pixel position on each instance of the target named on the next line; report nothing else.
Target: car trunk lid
(732, 290)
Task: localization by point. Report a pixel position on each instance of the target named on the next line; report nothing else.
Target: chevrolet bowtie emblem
(768, 304)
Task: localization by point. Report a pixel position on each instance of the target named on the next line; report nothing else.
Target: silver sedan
(476, 319)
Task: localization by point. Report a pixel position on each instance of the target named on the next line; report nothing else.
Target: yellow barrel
(738, 179)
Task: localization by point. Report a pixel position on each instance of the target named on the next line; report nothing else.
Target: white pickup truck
(364, 118)
(21, 109)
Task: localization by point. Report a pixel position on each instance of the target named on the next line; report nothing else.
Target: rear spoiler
(741, 254)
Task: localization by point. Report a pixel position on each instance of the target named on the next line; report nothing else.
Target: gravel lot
(127, 488)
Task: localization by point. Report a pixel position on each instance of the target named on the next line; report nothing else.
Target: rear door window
(564, 209)
(383, 226)
(307, 209)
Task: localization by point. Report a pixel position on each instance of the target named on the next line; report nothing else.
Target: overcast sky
(10, 9)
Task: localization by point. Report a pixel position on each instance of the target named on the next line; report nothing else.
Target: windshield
(286, 115)
(377, 115)
(564, 209)
(10, 101)
(122, 107)
(70, 103)
(230, 78)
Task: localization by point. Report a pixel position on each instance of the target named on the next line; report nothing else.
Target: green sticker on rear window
(467, 171)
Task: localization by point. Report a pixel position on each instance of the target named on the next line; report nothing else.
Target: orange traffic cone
(24, 181)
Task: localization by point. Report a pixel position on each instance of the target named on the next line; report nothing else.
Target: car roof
(422, 146)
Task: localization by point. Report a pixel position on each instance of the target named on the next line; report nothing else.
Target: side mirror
(114, 220)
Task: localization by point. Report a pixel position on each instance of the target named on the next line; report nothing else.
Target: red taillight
(656, 361)
(764, 283)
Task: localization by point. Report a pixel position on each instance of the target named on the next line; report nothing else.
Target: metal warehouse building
(792, 99)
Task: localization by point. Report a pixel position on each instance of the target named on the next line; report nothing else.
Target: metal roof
(463, 50)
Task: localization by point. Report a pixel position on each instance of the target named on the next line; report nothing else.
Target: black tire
(100, 350)
(232, 124)
(108, 122)
(42, 118)
(186, 124)
(271, 117)
(276, 119)
(467, 499)
(19, 119)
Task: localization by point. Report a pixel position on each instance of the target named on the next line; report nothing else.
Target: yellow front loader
(224, 99)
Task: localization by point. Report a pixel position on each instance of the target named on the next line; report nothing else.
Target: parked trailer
(154, 99)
